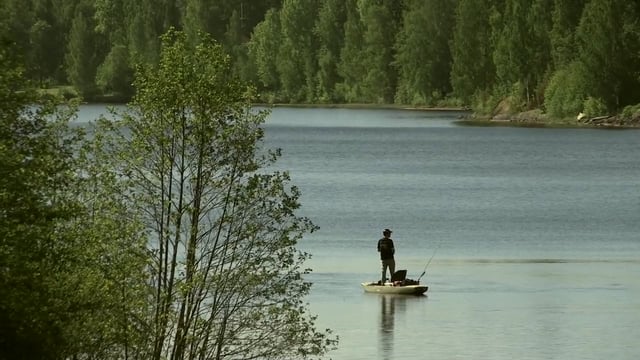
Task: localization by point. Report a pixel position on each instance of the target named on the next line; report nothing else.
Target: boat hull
(390, 288)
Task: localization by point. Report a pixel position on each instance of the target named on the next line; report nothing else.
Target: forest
(561, 57)
(163, 235)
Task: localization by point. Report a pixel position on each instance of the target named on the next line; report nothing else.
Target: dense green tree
(351, 67)
(16, 20)
(264, 49)
(213, 16)
(63, 11)
(226, 274)
(539, 65)
(608, 40)
(297, 62)
(210, 16)
(85, 51)
(146, 21)
(237, 46)
(511, 31)
(568, 89)
(135, 25)
(330, 31)
(46, 40)
(39, 28)
(62, 294)
(40, 39)
(200, 15)
(111, 19)
(115, 75)
(129, 37)
(35, 167)
(472, 69)
(566, 17)
(253, 12)
(423, 53)
(378, 84)
(143, 29)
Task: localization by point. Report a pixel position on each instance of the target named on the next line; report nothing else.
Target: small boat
(393, 288)
(399, 284)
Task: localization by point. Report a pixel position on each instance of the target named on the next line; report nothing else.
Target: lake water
(534, 234)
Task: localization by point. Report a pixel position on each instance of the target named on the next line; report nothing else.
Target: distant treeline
(564, 56)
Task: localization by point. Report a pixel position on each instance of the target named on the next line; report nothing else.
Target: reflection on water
(389, 305)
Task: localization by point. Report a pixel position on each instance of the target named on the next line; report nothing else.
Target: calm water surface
(534, 233)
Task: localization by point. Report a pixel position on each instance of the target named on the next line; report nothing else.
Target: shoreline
(366, 106)
(543, 125)
(528, 119)
(535, 119)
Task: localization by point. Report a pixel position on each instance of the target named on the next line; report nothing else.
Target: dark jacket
(386, 249)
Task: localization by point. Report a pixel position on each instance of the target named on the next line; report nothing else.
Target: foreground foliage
(225, 274)
(61, 263)
(160, 236)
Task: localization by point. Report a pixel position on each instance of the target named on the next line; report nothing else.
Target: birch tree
(226, 275)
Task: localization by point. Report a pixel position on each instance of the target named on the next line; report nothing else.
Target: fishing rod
(429, 262)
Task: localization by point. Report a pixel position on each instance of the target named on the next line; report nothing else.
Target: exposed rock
(503, 109)
(503, 113)
(612, 121)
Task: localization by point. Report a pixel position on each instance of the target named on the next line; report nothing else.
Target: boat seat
(399, 275)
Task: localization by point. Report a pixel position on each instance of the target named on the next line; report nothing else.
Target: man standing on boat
(386, 250)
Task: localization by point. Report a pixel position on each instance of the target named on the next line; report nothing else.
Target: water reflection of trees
(389, 305)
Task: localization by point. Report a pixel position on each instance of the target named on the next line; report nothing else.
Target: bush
(568, 88)
(484, 103)
(594, 107)
(518, 98)
(631, 111)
